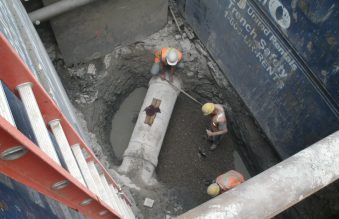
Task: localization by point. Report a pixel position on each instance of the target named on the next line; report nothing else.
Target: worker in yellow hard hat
(225, 182)
(218, 123)
(170, 57)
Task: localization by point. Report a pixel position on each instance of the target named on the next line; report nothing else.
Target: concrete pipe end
(157, 79)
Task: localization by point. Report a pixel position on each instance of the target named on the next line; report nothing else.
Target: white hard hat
(172, 57)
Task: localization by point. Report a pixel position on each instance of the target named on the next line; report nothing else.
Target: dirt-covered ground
(98, 88)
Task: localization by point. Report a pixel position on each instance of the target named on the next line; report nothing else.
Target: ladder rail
(20, 80)
(44, 174)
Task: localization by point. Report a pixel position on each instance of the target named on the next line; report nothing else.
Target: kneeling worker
(225, 182)
(168, 57)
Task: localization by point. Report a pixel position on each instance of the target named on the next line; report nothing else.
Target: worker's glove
(180, 65)
(155, 68)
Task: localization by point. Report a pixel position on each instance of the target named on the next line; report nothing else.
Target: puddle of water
(124, 121)
(240, 166)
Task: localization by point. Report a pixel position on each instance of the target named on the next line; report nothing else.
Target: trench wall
(94, 30)
(282, 59)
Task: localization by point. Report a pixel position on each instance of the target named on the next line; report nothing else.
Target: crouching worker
(218, 125)
(225, 182)
(167, 57)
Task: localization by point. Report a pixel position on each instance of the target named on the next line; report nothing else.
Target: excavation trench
(109, 92)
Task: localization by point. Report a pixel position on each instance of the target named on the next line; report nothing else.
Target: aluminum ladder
(56, 162)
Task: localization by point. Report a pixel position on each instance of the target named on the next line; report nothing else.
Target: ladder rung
(37, 123)
(5, 110)
(114, 197)
(84, 168)
(31, 167)
(107, 190)
(117, 199)
(95, 174)
(66, 151)
(123, 203)
(129, 210)
(19, 114)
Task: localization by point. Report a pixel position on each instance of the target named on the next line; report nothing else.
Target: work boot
(209, 139)
(163, 76)
(213, 147)
(202, 153)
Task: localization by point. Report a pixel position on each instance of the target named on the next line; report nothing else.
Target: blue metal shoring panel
(292, 106)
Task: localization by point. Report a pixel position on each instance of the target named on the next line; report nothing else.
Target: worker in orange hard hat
(168, 57)
(225, 182)
(218, 123)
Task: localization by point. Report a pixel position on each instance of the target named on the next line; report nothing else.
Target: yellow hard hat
(213, 190)
(207, 108)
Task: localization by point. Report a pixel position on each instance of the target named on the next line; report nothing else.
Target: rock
(189, 32)
(82, 99)
(91, 69)
(107, 60)
(121, 51)
(177, 37)
(186, 45)
(202, 153)
(190, 74)
(77, 72)
(51, 50)
(148, 202)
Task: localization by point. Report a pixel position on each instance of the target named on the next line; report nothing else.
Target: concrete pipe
(279, 187)
(141, 155)
(56, 9)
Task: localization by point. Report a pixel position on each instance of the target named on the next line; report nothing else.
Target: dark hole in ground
(124, 121)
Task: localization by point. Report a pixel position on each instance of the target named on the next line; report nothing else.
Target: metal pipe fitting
(56, 9)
